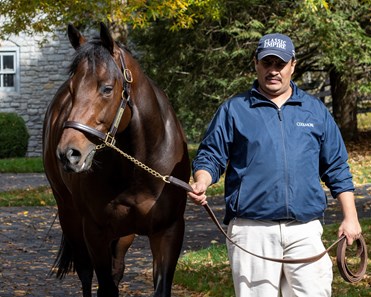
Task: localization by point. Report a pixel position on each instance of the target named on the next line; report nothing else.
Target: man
(275, 143)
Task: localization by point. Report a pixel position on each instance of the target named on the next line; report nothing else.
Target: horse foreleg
(119, 250)
(166, 247)
(74, 250)
(100, 253)
(85, 275)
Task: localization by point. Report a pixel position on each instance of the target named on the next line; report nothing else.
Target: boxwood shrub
(13, 136)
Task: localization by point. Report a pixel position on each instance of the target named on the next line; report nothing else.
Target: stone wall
(43, 66)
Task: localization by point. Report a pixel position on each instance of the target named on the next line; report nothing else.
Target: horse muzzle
(73, 160)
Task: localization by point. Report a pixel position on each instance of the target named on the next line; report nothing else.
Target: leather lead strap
(345, 272)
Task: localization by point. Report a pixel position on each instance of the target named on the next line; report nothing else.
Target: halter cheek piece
(109, 137)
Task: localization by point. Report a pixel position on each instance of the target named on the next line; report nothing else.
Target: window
(8, 70)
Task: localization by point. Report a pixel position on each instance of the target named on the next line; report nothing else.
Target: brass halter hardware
(109, 137)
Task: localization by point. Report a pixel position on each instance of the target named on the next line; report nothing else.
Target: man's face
(274, 75)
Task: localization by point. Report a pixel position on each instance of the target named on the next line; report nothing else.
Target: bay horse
(103, 198)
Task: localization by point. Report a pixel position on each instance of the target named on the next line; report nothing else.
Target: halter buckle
(127, 75)
(110, 139)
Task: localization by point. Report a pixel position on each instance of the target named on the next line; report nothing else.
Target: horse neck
(153, 122)
(151, 116)
(146, 123)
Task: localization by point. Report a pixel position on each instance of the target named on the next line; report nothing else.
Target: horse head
(98, 90)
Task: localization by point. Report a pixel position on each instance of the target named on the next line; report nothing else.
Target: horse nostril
(69, 157)
(73, 156)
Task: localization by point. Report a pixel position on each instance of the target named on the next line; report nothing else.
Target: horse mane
(95, 53)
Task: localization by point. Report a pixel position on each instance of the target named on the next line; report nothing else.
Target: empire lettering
(275, 42)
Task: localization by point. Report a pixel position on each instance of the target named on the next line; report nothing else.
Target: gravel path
(28, 247)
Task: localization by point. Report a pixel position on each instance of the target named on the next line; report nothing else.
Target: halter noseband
(109, 137)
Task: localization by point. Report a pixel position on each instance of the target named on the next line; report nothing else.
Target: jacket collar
(257, 98)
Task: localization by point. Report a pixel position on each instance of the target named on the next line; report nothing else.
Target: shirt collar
(258, 98)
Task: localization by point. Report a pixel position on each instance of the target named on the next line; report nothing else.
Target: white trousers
(255, 277)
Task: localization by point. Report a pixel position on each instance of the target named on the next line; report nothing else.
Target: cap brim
(283, 56)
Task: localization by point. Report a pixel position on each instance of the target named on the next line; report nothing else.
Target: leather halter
(109, 137)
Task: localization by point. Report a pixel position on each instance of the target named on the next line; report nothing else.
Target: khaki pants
(255, 277)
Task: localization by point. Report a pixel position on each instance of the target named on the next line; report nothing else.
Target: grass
(21, 165)
(207, 271)
(41, 196)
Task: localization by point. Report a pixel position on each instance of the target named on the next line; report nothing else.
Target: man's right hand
(202, 180)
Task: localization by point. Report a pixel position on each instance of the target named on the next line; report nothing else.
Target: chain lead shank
(111, 144)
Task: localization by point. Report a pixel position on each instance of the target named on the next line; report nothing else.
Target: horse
(104, 199)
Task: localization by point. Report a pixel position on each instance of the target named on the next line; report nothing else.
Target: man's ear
(255, 62)
(293, 64)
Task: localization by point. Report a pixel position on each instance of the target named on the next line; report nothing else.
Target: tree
(336, 41)
(46, 15)
(332, 39)
(200, 51)
(202, 67)
(213, 61)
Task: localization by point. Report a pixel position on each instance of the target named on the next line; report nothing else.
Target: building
(32, 68)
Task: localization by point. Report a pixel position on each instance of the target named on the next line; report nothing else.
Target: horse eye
(107, 90)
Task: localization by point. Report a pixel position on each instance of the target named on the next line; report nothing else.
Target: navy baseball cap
(276, 44)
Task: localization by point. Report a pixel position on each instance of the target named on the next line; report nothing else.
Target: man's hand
(202, 180)
(350, 226)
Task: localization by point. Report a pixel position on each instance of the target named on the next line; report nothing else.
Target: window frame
(10, 51)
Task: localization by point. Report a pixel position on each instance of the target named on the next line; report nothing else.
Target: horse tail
(63, 264)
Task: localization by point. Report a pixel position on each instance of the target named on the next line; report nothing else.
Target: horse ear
(106, 38)
(75, 37)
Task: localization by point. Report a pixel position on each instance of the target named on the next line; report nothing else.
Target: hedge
(13, 136)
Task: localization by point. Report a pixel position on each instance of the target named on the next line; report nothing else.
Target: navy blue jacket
(275, 158)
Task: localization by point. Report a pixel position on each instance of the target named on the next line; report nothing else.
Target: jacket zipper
(279, 114)
(279, 111)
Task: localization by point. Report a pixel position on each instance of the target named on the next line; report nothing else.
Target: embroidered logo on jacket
(301, 124)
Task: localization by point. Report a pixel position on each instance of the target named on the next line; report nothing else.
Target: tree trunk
(344, 104)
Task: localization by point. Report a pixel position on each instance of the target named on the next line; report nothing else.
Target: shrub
(13, 136)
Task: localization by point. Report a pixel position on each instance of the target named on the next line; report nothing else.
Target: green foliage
(181, 14)
(338, 36)
(201, 51)
(202, 67)
(333, 42)
(13, 136)
(46, 15)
